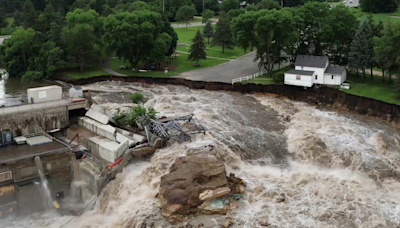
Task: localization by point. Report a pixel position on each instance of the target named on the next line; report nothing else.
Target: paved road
(107, 68)
(225, 72)
(2, 38)
(194, 24)
(352, 3)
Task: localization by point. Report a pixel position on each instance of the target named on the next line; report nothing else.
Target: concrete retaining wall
(324, 96)
(34, 121)
(104, 130)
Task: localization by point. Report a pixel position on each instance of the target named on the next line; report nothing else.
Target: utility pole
(282, 3)
(163, 6)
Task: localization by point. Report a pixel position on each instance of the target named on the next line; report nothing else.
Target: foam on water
(335, 170)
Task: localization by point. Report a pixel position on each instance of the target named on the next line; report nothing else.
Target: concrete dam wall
(323, 96)
(33, 121)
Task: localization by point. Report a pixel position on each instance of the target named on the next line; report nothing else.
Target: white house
(310, 70)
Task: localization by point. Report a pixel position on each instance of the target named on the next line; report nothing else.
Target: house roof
(334, 70)
(77, 87)
(301, 72)
(311, 61)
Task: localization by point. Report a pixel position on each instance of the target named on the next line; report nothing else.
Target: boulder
(197, 184)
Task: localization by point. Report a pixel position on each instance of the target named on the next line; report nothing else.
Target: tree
(107, 10)
(197, 49)
(49, 59)
(80, 40)
(185, 14)
(137, 6)
(379, 6)
(3, 21)
(98, 6)
(343, 25)
(17, 51)
(223, 36)
(207, 15)
(29, 14)
(268, 4)
(18, 19)
(227, 5)
(362, 49)
(387, 47)
(208, 31)
(133, 36)
(252, 7)
(268, 31)
(48, 16)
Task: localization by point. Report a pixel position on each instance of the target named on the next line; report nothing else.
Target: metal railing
(250, 77)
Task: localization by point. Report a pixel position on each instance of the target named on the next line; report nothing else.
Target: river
(13, 92)
(336, 169)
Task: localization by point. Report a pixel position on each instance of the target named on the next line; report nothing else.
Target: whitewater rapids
(336, 170)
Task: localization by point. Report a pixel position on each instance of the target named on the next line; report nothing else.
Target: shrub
(278, 77)
(137, 98)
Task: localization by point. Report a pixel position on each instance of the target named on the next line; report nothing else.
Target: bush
(138, 115)
(137, 98)
(278, 77)
(32, 75)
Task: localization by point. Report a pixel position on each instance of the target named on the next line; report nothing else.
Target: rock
(212, 194)
(200, 225)
(226, 224)
(188, 178)
(216, 206)
(198, 184)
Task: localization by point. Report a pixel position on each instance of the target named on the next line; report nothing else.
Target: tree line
(47, 41)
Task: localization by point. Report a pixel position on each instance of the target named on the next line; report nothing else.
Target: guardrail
(246, 78)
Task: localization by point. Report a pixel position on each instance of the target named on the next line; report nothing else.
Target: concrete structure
(98, 116)
(310, 70)
(75, 92)
(44, 94)
(19, 191)
(34, 118)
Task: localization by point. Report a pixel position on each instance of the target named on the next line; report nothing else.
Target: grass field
(185, 35)
(88, 72)
(376, 88)
(361, 16)
(183, 66)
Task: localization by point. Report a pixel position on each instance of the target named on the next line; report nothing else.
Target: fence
(246, 78)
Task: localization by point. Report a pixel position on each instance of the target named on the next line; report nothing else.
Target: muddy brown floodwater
(335, 170)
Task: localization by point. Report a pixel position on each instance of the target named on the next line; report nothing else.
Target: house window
(298, 77)
(316, 77)
(5, 176)
(332, 77)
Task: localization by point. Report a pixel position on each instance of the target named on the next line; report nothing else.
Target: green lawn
(261, 80)
(185, 35)
(216, 51)
(182, 63)
(376, 16)
(88, 72)
(375, 88)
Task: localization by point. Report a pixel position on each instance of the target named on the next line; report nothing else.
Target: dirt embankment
(323, 97)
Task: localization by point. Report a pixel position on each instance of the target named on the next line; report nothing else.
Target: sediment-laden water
(336, 170)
